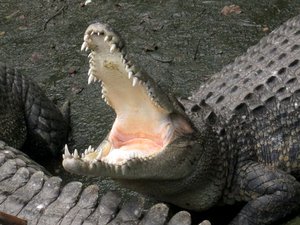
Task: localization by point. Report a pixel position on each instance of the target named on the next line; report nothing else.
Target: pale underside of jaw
(142, 128)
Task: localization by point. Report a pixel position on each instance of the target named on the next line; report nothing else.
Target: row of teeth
(75, 154)
(113, 48)
(131, 70)
(84, 46)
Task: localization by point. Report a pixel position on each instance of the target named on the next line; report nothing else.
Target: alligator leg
(267, 190)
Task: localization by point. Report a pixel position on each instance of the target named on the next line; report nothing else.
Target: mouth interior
(141, 128)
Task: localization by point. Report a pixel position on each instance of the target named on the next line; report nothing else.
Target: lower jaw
(119, 156)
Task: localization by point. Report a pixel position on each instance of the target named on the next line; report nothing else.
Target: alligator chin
(144, 124)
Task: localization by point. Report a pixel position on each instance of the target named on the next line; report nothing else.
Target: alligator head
(151, 132)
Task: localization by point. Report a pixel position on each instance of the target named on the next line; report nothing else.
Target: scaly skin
(28, 191)
(28, 119)
(235, 139)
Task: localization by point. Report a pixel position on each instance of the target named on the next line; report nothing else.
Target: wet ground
(180, 43)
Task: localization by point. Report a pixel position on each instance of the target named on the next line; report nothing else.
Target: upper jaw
(109, 63)
(143, 109)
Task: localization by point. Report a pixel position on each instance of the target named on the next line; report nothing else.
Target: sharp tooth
(90, 55)
(67, 152)
(86, 49)
(106, 38)
(90, 72)
(98, 33)
(76, 156)
(130, 73)
(83, 46)
(86, 37)
(113, 48)
(92, 32)
(82, 155)
(95, 79)
(91, 78)
(134, 81)
(89, 148)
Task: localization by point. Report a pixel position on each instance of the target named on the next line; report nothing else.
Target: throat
(142, 142)
(143, 133)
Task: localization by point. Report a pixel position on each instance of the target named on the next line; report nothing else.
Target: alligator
(234, 140)
(27, 190)
(28, 119)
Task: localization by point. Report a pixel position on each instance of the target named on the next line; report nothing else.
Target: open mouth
(144, 124)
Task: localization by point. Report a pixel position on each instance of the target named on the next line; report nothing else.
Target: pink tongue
(145, 146)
